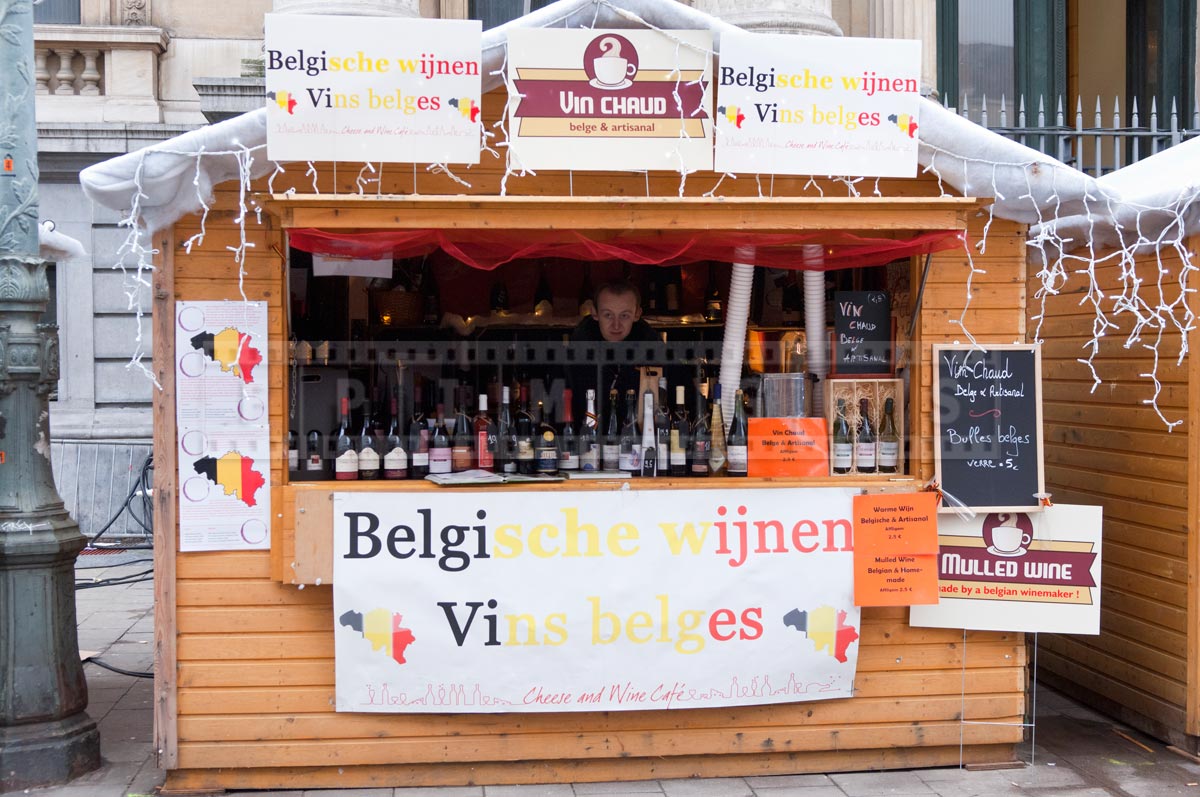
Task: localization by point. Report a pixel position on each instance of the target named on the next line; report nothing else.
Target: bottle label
(569, 461)
(716, 459)
(662, 452)
(678, 455)
(631, 459)
(589, 460)
(395, 463)
(368, 459)
(739, 459)
(460, 457)
(547, 460)
(510, 466)
(483, 451)
(420, 459)
(313, 462)
(439, 460)
(524, 449)
(865, 454)
(889, 454)
(293, 459)
(346, 465)
(843, 455)
(700, 458)
(611, 455)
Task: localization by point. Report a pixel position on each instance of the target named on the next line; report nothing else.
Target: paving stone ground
(1077, 752)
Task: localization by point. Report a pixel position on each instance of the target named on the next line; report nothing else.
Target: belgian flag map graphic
(235, 473)
(231, 348)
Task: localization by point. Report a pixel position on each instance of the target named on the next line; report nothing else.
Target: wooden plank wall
(1106, 447)
(255, 656)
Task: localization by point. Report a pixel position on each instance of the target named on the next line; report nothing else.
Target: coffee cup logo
(1008, 534)
(610, 62)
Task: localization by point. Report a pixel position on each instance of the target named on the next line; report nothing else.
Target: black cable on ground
(144, 483)
(118, 670)
(116, 581)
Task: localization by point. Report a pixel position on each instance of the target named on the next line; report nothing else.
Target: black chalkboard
(988, 423)
(862, 333)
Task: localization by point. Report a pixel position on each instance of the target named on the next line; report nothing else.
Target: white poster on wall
(1018, 571)
(392, 89)
(224, 445)
(818, 105)
(612, 100)
(469, 601)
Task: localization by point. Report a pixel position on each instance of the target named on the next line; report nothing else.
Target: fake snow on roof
(1147, 206)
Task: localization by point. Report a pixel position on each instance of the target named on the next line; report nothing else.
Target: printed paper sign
(818, 105)
(224, 437)
(476, 601)
(372, 89)
(614, 100)
(895, 555)
(1015, 571)
(788, 447)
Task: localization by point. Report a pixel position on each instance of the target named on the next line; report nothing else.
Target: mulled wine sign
(862, 329)
(988, 426)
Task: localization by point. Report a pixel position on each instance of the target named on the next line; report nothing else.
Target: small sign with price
(788, 447)
(895, 549)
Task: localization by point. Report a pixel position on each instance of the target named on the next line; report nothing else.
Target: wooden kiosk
(244, 644)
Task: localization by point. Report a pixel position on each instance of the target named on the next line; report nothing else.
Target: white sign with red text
(612, 100)
(372, 89)
(818, 105)
(467, 601)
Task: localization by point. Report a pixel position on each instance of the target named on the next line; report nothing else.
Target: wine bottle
(649, 437)
(506, 434)
(418, 437)
(662, 428)
(499, 298)
(568, 445)
(345, 458)
(610, 447)
(542, 293)
(737, 444)
(843, 445)
(630, 445)
(293, 455)
(585, 288)
(395, 458)
(674, 288)
(314, 456)
(713, 313)
(486, 437)
(889, 440)
(589, 443)
(368, 447)
(701, 437)
(462, 452)
(526, 463)
(718, 464)
(441, 451)
(865, 454)
(545, 445)
(679, 436)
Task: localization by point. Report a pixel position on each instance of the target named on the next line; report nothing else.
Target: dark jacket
(603, 374)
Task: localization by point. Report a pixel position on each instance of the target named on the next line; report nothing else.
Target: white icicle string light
(133, 245)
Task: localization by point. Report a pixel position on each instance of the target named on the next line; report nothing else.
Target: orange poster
(895, 549)
(788, 447)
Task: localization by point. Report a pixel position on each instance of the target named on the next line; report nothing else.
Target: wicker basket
(397, 308)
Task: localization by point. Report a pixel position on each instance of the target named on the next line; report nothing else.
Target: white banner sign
(1012, 571)
(224, 436)
(372, 89)
(818, 105)
(612, 100)
(472, 601)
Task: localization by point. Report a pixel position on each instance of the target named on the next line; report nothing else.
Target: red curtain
(489, 249)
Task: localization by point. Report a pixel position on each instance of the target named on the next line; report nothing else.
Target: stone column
(45, 735)
(912, 19)
(809, 17)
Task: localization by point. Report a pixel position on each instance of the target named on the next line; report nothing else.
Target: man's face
(616, 314)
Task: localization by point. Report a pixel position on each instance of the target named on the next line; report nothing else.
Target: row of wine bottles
(521, 439)
(866, 449)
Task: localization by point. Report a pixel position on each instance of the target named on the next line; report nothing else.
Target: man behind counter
(616, 318)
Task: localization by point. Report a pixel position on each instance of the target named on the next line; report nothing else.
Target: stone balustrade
(98, 73)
